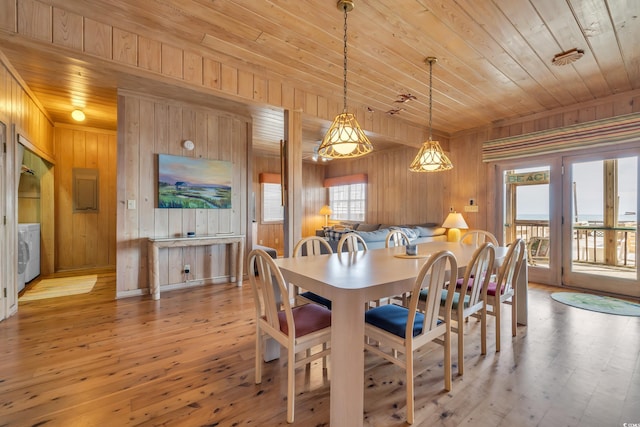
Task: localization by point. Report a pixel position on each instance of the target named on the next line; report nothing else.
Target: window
(348, 202)
(272, 209)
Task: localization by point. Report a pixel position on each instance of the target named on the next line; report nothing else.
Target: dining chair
(404, 330)
(351, 240)
(396, 238)
(297, 329)
(506, 282)
(477, 237)
(467, 300)
(311, 246)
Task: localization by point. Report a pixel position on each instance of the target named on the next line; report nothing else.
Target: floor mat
(598, 303)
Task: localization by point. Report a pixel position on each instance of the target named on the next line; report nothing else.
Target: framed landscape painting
(188, 183)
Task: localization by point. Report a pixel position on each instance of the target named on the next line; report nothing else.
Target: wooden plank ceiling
(494, 56)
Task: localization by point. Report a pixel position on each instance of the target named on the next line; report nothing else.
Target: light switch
(131, 204)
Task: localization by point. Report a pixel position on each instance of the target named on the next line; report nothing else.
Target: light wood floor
(187, 360)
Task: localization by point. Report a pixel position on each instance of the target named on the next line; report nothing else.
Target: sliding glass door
(600, 193)
(578, 217)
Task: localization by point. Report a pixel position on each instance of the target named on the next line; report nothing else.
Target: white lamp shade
(455, 220)
(454, 223)
(326, 210)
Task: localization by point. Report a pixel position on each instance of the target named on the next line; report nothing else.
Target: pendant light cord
(430, 94)
(345, 59)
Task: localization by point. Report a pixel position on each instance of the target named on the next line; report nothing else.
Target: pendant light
(345, 139)
(430, 158)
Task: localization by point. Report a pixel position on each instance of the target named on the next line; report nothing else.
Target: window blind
(597, 133)
(359, 178)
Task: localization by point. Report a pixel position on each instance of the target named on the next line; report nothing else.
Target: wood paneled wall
(85, 240)
(22, 114)
(396, 195)
(148, 127)
(314, 196)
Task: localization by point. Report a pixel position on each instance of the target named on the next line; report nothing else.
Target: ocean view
(581, 218)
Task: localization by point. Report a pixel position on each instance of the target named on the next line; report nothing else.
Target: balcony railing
(591, 242)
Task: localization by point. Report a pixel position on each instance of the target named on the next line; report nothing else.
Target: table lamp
(454, 223)
(326, 211)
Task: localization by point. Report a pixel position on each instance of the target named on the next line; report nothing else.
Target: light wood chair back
(468, 299)
(312, 245)
(396, 238)
(477, 237)
(351, 241)
(396, 340)
(502, 291)
(276, 318)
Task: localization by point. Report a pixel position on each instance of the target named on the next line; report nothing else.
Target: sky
(533, 199)
(193, 170)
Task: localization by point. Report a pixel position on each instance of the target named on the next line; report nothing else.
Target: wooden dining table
(352, 280)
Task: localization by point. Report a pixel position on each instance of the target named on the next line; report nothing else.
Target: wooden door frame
(4, 250)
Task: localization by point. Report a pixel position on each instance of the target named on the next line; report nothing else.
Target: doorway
(4, 248)
(578, 217)
(600, 232)
(528, 214)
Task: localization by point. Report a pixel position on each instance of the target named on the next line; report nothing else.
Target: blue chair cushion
(317, 299)
(393, 319)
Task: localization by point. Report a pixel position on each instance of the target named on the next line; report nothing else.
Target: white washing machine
(23, 257)
(31, 236)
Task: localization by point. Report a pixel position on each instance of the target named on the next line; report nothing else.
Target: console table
(154, 245)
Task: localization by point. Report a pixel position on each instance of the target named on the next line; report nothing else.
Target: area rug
(59, 287)
(598, 303)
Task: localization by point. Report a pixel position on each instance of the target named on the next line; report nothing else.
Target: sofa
(375, 235)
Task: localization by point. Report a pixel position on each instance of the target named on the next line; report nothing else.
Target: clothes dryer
(23, 257)
(32, 239)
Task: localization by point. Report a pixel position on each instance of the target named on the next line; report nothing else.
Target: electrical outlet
(260, 241)
(187, 269)
(276, 240)
(131, 204)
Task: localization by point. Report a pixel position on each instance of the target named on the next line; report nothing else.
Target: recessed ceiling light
(568, 57)
(77, 115)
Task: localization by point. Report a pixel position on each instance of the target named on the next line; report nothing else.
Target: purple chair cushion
(460, 281)
(491, 289)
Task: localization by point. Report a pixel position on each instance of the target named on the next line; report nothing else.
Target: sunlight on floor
(60, 287)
